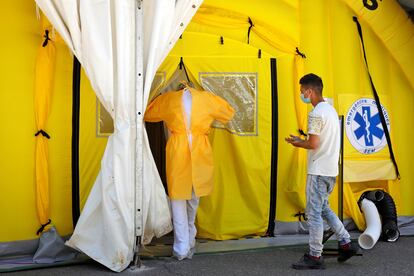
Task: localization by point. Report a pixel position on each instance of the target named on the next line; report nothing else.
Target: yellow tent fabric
(281, 43)
(23, 34)
(323, 43)
(18, 208)
(92, 144)
(345, 76)
(343, 72)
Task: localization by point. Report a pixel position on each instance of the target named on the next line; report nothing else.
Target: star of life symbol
(363, 126)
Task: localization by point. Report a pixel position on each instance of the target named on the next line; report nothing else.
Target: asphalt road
(384, 259)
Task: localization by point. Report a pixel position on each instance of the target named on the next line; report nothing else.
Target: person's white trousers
(184, 213)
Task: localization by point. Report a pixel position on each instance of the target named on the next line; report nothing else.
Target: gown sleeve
(154, 110)
(223, 110)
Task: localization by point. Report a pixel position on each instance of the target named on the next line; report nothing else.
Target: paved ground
(384, 259)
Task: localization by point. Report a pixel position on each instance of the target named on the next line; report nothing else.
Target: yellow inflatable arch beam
(222, 18)
(397, 33)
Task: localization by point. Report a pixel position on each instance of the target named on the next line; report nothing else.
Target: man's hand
(294, 140)
(312, 143)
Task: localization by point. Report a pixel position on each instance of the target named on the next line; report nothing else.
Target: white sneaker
(191, 253)
(179, 257)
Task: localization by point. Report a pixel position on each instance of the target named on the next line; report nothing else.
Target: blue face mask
(305, 100)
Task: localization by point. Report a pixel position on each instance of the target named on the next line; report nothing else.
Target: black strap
(44, 133)
(248, 31)
(182, 66)
(302, 133)
(301, 215)
(46, 36)
(300, 53)
(40, 230)
(378, 103)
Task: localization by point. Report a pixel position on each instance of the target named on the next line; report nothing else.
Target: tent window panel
(240, 90)
(104, 121)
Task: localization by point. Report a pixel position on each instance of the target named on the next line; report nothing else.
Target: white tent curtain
(103, 36)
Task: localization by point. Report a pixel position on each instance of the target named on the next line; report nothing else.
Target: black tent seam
(75, 139)
(274, 151)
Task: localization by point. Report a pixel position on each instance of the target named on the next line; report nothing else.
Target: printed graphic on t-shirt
(314, 124)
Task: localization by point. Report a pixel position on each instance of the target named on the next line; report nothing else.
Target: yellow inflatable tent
(250, 52)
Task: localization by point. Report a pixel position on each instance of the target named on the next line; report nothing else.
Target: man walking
(323, 146)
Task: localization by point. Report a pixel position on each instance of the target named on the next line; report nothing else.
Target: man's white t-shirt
(323, 121)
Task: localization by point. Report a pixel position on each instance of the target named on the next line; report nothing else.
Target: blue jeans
(318, 188)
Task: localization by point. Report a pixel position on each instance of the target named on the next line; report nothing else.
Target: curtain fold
(102, 34)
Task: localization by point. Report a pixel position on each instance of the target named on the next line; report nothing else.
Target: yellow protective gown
(186, 167)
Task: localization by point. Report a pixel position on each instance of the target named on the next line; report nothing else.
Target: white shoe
(179, 257)
(191, 253)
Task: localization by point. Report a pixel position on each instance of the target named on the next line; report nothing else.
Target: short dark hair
(312, 80)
